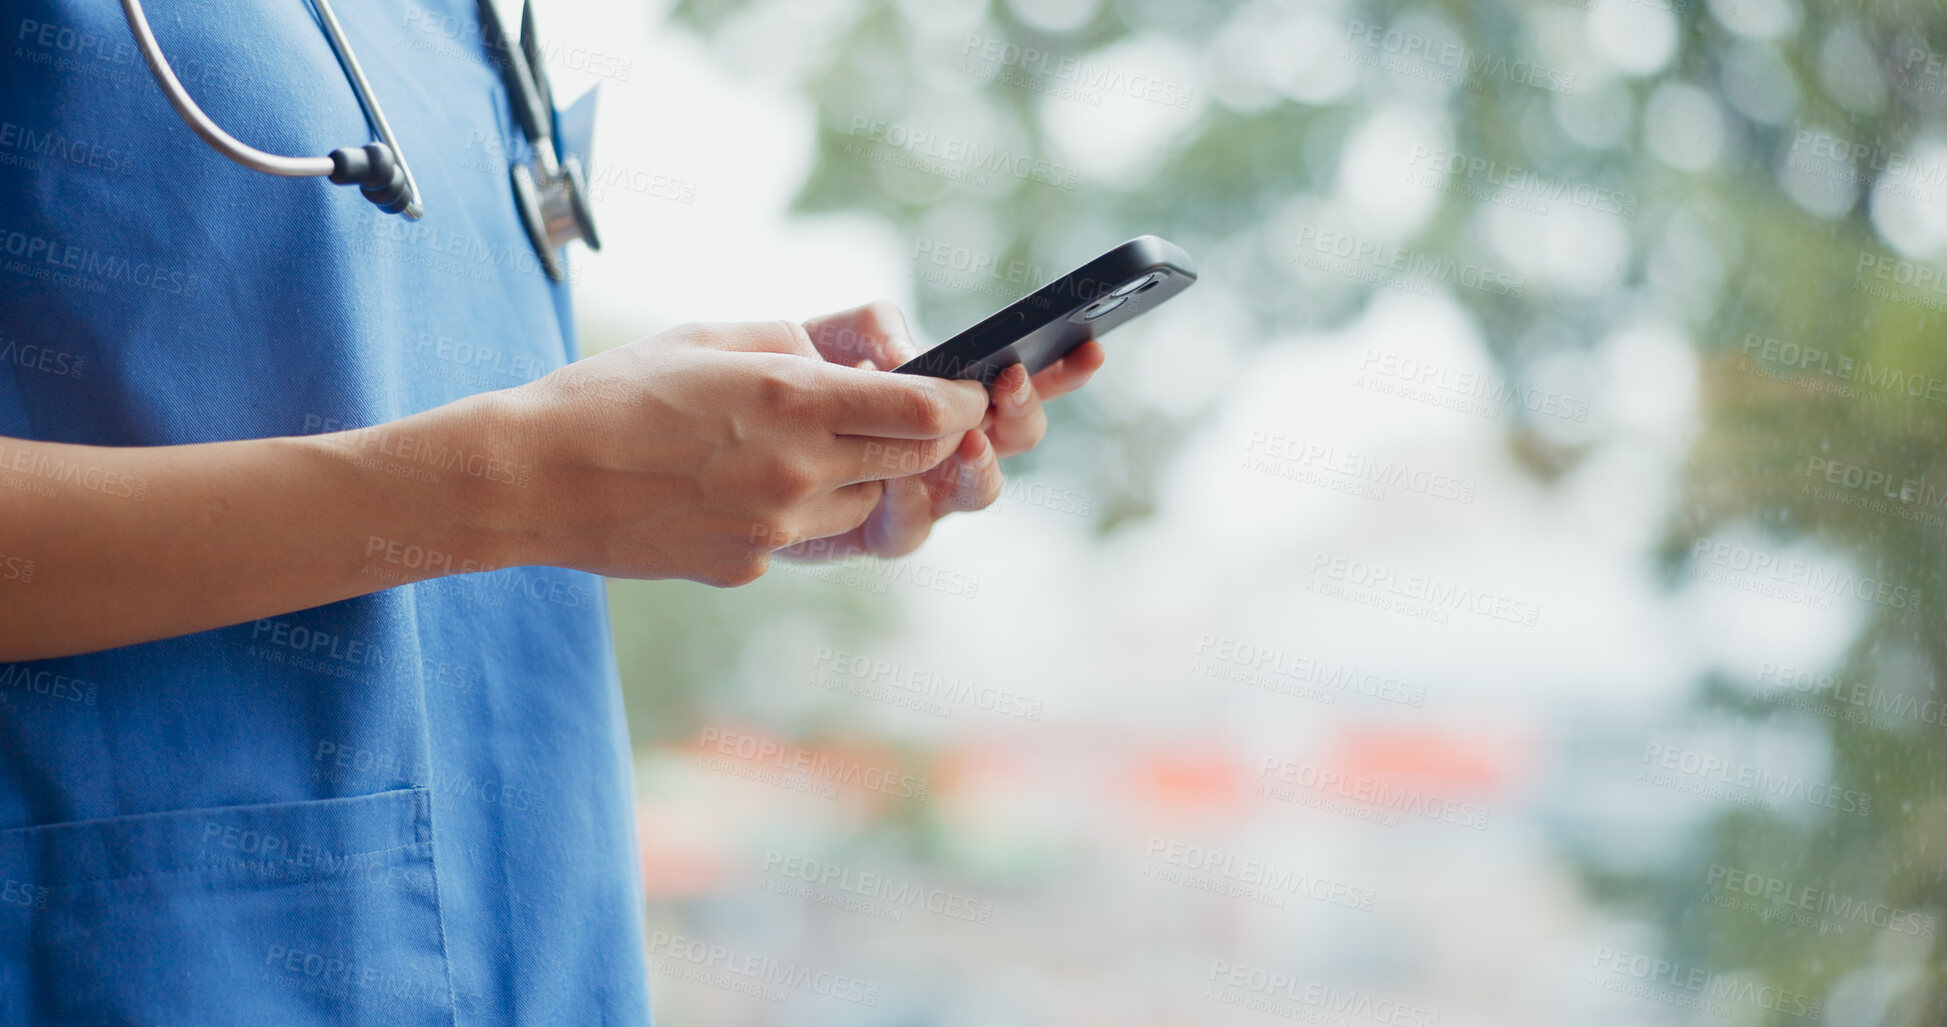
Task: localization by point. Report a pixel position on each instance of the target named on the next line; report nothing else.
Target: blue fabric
(409, 808)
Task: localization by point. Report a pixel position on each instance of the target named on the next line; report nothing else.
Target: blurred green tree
(1765, 241)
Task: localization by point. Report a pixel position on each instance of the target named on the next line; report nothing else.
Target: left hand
(875, 335)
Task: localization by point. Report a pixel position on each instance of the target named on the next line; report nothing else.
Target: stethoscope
(550, 191)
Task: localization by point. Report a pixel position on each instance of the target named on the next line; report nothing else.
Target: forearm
(687, 454)
(107, 546)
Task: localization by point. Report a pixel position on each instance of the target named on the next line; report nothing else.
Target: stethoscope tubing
(213, 134)
(550, 192)
(414, 206)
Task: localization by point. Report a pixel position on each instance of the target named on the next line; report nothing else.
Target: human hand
(875, 335)
(699, 451)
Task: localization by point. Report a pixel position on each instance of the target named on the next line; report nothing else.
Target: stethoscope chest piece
(554, 210)
(551, 192)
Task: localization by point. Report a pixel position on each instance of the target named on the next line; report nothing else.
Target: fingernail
(1023, 390)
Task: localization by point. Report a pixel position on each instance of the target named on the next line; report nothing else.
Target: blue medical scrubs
(412, 807)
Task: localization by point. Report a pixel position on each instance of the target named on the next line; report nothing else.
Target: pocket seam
(153, 861)
(204, 868)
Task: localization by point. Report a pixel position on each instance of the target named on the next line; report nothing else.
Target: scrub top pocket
(319, 912)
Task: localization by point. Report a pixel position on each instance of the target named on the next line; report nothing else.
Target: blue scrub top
(412, 807)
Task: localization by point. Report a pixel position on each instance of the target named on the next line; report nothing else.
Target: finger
(1017, 422)
(762, 337)
(876, 332)
(834, 513)
(836, 547)
(894, 527)
(971, 480)
(868, 459)
(901, 521)
(1072, 371)
(898, 406)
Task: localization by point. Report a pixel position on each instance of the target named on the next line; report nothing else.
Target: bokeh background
(1505, 590)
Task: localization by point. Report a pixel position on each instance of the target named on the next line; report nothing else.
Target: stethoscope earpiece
(371, 168)
(378, 169)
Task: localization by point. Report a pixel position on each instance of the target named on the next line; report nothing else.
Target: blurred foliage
(1721, 254)
(677, 645)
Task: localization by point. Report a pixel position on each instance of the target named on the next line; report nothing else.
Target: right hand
(697, 452)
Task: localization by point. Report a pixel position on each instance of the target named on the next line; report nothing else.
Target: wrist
(446, 491)
(489, 509)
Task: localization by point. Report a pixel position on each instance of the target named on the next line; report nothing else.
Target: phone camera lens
(1138, 285)
(1102, 306)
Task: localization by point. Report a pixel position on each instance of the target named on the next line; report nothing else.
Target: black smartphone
(1044, 326)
